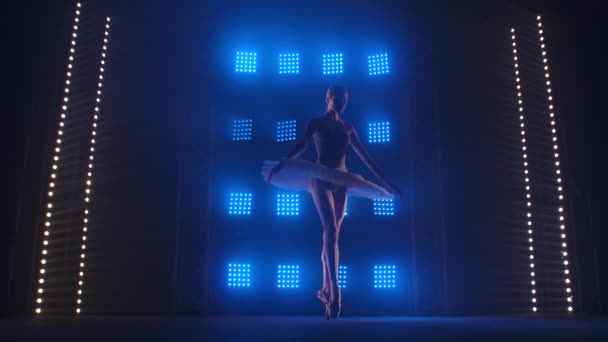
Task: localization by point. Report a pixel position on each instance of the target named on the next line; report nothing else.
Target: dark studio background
(155, 114)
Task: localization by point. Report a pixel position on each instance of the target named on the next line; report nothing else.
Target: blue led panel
(384, 207)
(384, 276)
(289, 63)
(332, 64)
(288, 204)
(246, 61)
(239, 275)
(241, 129)
(286, 130)
(378, 64)
(240, 203)
(342, 276)
(379, 132)
(288, 276)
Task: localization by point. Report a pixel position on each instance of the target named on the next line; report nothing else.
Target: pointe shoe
(334, 310)
(335, 307)
(323, 296)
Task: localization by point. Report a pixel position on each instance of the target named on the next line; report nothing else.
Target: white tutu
(295, 174)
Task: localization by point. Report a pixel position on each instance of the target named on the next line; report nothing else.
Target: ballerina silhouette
(332, 136)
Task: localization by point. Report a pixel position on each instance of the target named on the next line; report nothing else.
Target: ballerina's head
(336, 98)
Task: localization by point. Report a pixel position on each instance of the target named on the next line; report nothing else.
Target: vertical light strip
(55, 167)
(89, 178)
(520, 105)
(560, 195)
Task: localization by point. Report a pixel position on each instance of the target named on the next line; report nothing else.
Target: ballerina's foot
(335, 305)
(334, 310)
(323, 296)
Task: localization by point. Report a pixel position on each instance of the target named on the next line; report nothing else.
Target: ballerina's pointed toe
(333, 310)
(323, 297)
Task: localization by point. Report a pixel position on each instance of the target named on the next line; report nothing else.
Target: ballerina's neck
(335, 116)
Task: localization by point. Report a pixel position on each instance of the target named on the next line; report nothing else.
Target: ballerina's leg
(323, 198)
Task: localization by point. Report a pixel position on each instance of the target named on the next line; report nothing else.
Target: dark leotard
(331, 139)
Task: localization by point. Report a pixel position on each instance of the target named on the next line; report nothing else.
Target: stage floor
(303, 328)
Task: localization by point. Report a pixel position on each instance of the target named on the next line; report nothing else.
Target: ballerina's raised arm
(371, 164)
(300, 147)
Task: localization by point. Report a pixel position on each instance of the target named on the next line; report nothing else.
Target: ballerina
(329, 182)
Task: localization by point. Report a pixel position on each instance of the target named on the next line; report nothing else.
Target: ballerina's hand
(274, 171)
(396, 189)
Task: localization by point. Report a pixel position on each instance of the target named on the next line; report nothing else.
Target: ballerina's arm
(298, 149)
(303, 143)
(365, 157)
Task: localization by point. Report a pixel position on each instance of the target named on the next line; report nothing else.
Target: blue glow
(240, 203)
(384, 207)
(342, 277)
(239, 275)
(288, 276)
(286, 130)
(378, 64)
(241, 129)
(332, 64)
(288, 204)
(379, 132)
(384, 276)
(289, 63)
(246, 61)
(347, 203)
